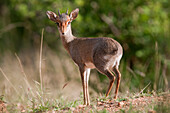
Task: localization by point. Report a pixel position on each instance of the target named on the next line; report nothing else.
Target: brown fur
(102, 53)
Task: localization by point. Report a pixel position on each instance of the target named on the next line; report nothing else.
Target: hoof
(115, 97)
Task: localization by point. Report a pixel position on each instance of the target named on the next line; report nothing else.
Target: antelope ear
(52, 16)
(74, 14)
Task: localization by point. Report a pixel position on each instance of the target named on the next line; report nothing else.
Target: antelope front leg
(83, 75)
(86, 79)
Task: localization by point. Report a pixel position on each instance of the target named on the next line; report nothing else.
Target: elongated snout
(63, 28)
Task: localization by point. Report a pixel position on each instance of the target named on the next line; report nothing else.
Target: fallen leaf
(65, 85)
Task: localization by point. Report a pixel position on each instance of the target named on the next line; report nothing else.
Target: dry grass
(23, 81)
(22, 76)
(34, 81)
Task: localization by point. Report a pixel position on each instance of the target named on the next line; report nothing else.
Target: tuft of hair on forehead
(64, 17)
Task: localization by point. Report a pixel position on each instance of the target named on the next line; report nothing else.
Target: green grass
(33, 97)
(64, 105)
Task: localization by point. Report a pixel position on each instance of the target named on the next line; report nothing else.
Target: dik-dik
(101, 53)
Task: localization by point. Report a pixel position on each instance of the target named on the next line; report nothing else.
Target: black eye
(68, 23)
(57, 23)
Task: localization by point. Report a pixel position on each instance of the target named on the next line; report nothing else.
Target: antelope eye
(68, 23)
(57, 23)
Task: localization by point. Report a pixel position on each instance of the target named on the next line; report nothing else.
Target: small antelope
(102, 53)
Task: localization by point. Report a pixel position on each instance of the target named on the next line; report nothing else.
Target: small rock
(151, 111)
(120, 104)
(81, 106)
(99, 103)
(72, 109)
(106, 106)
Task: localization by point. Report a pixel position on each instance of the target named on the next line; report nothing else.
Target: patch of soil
(150, 104)
(3, 107)
(142, 103)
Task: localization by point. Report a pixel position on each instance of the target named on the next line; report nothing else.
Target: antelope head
(63, 20)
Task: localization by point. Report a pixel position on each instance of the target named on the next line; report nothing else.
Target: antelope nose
(62, 33)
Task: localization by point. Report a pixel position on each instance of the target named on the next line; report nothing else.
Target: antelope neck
(67, 37)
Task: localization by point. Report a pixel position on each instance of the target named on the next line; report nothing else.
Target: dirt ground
(150, 104)
(144, 104)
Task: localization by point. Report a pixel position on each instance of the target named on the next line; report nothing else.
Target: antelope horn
(67, 12)
(59, 13)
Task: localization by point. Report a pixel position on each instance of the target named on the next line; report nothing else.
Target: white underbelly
(90, 65)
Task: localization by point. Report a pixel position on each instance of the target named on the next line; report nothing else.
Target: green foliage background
(142, 27)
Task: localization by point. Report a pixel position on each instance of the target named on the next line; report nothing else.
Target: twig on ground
(143, 89)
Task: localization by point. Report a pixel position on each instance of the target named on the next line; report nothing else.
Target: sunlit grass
(24, 91)
(64, 105)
